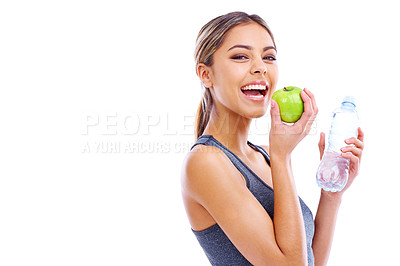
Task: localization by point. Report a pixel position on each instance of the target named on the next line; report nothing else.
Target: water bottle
(333, 171)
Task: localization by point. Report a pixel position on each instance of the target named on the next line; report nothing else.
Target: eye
(270, 58)
(239, 57)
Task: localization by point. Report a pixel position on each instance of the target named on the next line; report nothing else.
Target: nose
(258, 67)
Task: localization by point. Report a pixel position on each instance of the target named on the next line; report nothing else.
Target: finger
(321, 144)
(312, 109)
(354, 150)
(313, 101)
(275, 114)
(308, 111)
(356, 142)
(307, 101)
(359, 141)
(354, 160)
(360, 134)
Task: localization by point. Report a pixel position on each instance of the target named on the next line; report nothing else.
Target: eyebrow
(248, 47)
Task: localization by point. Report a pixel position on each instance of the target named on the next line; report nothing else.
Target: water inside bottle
(333, 171)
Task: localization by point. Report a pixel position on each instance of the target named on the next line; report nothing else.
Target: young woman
(241, 198)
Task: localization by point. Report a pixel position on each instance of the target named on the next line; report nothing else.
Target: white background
(97, 105)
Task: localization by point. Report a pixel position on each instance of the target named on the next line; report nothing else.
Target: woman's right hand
(283, 138)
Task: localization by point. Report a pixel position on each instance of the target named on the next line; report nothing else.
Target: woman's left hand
(353, 152)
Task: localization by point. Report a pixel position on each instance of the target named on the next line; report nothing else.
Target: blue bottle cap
(349, 99)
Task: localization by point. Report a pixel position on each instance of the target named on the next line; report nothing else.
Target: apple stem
(284, 88)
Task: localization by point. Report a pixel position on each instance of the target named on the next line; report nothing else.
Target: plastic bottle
(333, 171)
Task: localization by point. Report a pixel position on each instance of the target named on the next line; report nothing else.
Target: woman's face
(244, 71)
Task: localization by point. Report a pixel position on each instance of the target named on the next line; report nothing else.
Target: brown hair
(209, 39)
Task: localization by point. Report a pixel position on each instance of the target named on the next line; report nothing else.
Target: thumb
(275, 114)
(321, 144)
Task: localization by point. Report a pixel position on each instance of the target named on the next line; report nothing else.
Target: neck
(230, 129)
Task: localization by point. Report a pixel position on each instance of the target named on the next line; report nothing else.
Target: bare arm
(325, 221)
(288, 217)
(329, 203)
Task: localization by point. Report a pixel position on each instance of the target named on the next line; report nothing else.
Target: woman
(241, 198)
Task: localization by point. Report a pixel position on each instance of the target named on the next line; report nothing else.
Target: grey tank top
(215, 243)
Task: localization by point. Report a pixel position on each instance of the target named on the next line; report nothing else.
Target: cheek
(225, 93)
(273, 70)
(230, 74)
(273, 74)
(226, 79)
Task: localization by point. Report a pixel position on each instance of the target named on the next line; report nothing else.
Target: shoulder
(202, 155)
(207, 167)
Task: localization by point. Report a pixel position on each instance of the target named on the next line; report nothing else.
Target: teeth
(255, 87)
(256, 96)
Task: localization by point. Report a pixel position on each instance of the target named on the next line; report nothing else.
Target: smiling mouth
(254, 91)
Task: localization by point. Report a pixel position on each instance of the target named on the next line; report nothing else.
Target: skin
(215, 192)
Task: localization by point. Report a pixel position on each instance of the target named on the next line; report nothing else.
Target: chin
(257, 113)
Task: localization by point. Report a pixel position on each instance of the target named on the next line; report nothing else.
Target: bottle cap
(349, 99)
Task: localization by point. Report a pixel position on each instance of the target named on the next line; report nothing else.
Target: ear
(204, 73)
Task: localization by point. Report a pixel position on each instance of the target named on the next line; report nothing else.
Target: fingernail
(344, 149)
(272, 104)
(348, 141)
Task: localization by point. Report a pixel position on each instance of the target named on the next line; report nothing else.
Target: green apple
(291, 106)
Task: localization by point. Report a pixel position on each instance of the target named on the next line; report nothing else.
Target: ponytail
(203, 113)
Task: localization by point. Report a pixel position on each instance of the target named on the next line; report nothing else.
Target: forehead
(250, 34)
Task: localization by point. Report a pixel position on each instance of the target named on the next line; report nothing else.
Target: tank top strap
(262, 151)
(203, 139)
